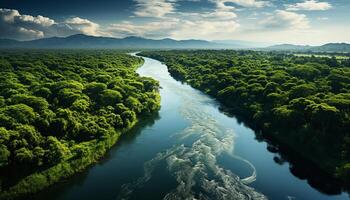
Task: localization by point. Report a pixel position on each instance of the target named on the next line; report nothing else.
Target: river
(190, 150)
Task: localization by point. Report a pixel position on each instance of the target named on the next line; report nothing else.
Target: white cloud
(217, 24)
(159, 29)
(31, 33)
(83, 25)
(8, 15)
(40, 20)
(309, 5)
(189, 26)
(222, 12)
(160, 8)
(215, 29)
(14, 25)
(244, 3)
(282, 19)
(154, 8)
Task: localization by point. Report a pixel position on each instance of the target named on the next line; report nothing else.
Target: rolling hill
(81, 41)
(85, 41)
(330, 47)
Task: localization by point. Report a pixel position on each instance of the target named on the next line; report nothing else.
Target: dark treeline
(302, 102)
(61, 110)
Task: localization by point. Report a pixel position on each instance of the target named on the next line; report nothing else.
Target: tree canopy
(54, 104)
(301, 101)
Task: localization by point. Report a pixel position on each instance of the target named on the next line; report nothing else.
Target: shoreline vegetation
(38, 181)
(61, 111)
(300, 103)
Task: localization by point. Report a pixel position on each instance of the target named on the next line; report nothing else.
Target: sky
(312, 22)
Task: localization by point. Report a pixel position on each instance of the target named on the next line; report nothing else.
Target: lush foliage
(304, 102)
(61, 110)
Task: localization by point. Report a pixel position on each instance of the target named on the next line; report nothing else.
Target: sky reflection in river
(192, 161)
(190, 150)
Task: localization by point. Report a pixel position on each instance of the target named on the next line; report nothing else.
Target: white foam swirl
(194, 166)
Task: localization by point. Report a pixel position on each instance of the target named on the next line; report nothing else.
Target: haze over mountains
(85, 41)
(330, 47)
(81, 41)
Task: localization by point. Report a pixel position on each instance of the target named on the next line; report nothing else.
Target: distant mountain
(330, 47)
(333, 47)
(81, 41)
(85, 41)
(289, 47)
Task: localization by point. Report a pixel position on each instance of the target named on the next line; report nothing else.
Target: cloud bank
(14, 25)
(169, 22)
(245, 3)
(156, 8)
(259, 20)
(309, 5)
(282, 19)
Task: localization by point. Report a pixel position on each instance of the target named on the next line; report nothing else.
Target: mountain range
(81, 41)
(330, 47)
(84, 41)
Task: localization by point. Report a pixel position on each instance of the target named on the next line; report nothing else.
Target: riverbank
(93, 151)
(190, 149)
(86, 101)
(271, 102)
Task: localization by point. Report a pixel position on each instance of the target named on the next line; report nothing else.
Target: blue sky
(271, 21)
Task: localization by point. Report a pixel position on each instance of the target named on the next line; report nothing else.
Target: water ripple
(194, 166)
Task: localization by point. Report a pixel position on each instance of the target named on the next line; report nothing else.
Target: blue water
(190, 150)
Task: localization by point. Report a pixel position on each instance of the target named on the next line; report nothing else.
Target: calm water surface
(190, 150)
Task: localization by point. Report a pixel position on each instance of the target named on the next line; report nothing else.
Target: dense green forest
(301, 102)
(61, 110)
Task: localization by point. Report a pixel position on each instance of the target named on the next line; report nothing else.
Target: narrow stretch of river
(190, 150)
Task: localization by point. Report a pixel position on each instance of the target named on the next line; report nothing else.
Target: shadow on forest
(78, 179)
(299, 166)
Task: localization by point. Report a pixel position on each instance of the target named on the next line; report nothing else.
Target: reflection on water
(191, 151)
(193, 160)
(60, 190)
(299, 166)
